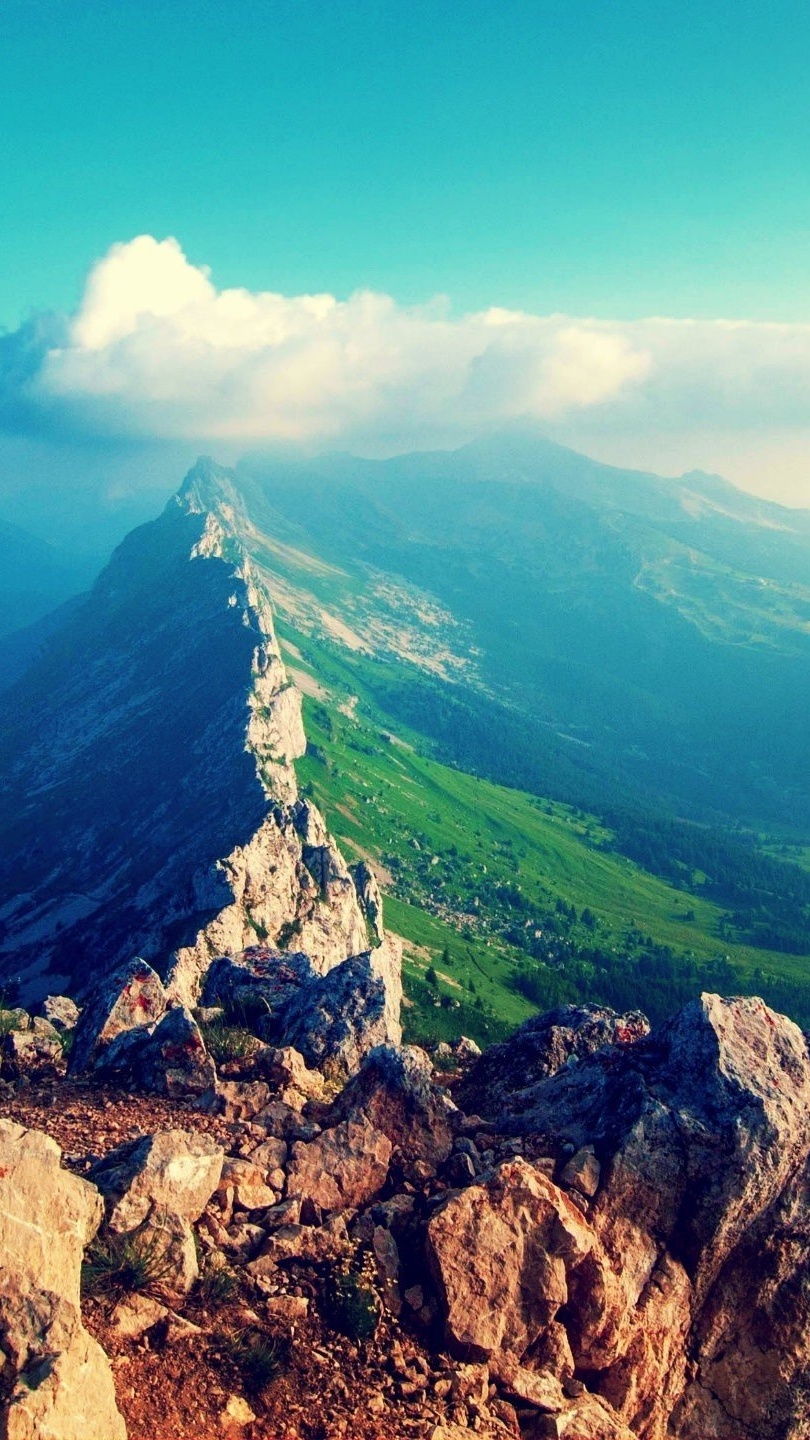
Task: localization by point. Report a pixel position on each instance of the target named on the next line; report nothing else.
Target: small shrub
(352, 1305)
(258, 1357)
(118, 1265)
(66, 1038)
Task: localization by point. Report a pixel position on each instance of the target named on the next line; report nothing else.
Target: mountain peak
(207, 486)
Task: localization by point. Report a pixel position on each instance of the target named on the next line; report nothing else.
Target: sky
(384, 226)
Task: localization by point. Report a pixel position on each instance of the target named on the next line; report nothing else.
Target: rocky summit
(614, 1244)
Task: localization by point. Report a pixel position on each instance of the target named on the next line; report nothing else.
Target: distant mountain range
(652, 634)
(624, 633)
(36, 577)
(603, 638)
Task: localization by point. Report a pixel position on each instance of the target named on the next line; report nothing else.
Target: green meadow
(486, 884)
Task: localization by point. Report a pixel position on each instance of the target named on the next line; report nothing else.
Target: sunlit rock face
(149, 804)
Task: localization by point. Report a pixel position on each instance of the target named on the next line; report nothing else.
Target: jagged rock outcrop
(336, 1019)
(167, 686)
(55, 1380)
(368, 893)
(679, 1291)
(167, 1059)
(257, 981)
(131, 998)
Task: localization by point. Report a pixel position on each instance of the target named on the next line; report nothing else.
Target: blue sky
(617, 161)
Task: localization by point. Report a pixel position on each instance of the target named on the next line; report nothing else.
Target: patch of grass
(218, 1285)
(226, 1043)
(258, 1357)
(119, 1265)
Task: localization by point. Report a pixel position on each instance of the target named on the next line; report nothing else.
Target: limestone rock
(135, 1314)
(505, 1078)
(682, 1296)
(343, 1168)
(466, 1051)
(236, 1099)
(582, 1172)
(176, 1171)
(371, 902)
(286, 1068)
(246, 1179)
(63, 1386)
(394, 1091)
(47, 1216)
(24, 1050)
(169, 1059)
(131, 997)
(318, 1244)
(257, 981)
(501, 1253)
(61, 1011)
(58, 1381)
(337, 1018)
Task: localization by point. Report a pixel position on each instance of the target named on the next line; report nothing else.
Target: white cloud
(155, 348)
(156, 351)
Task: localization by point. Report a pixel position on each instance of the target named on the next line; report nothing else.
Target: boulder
(466, 1050)
(286, 1069)
(255, 982)
(153, 1188)
(57, 1379)
(246, 1180)
(335, 1019)
(236, 1099)
(582, 1172)
(175, 1171)
(504, 1080)
(24, 1050)
(394, 1091)
(61, 1011)
(169, 1059)
(342, 1169)
(130, 998)
(501, 1253)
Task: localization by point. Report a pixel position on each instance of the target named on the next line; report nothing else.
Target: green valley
(507, 902)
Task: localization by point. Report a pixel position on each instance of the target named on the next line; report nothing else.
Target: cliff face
(150, 804)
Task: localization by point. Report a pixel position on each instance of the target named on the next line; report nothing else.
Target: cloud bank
(156, 351)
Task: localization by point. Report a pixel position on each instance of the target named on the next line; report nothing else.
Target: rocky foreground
(592, 1232)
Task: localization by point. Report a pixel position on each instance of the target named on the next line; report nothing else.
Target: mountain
(149, 804)
(506, 625)
(36, 577)
(651, 636)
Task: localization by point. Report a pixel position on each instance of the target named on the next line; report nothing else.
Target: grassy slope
(443, 836)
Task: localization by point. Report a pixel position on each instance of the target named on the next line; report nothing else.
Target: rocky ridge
(623, 1253)
(168, 687)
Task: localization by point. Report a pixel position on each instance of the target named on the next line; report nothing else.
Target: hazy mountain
(36, 577)
(662, 624)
